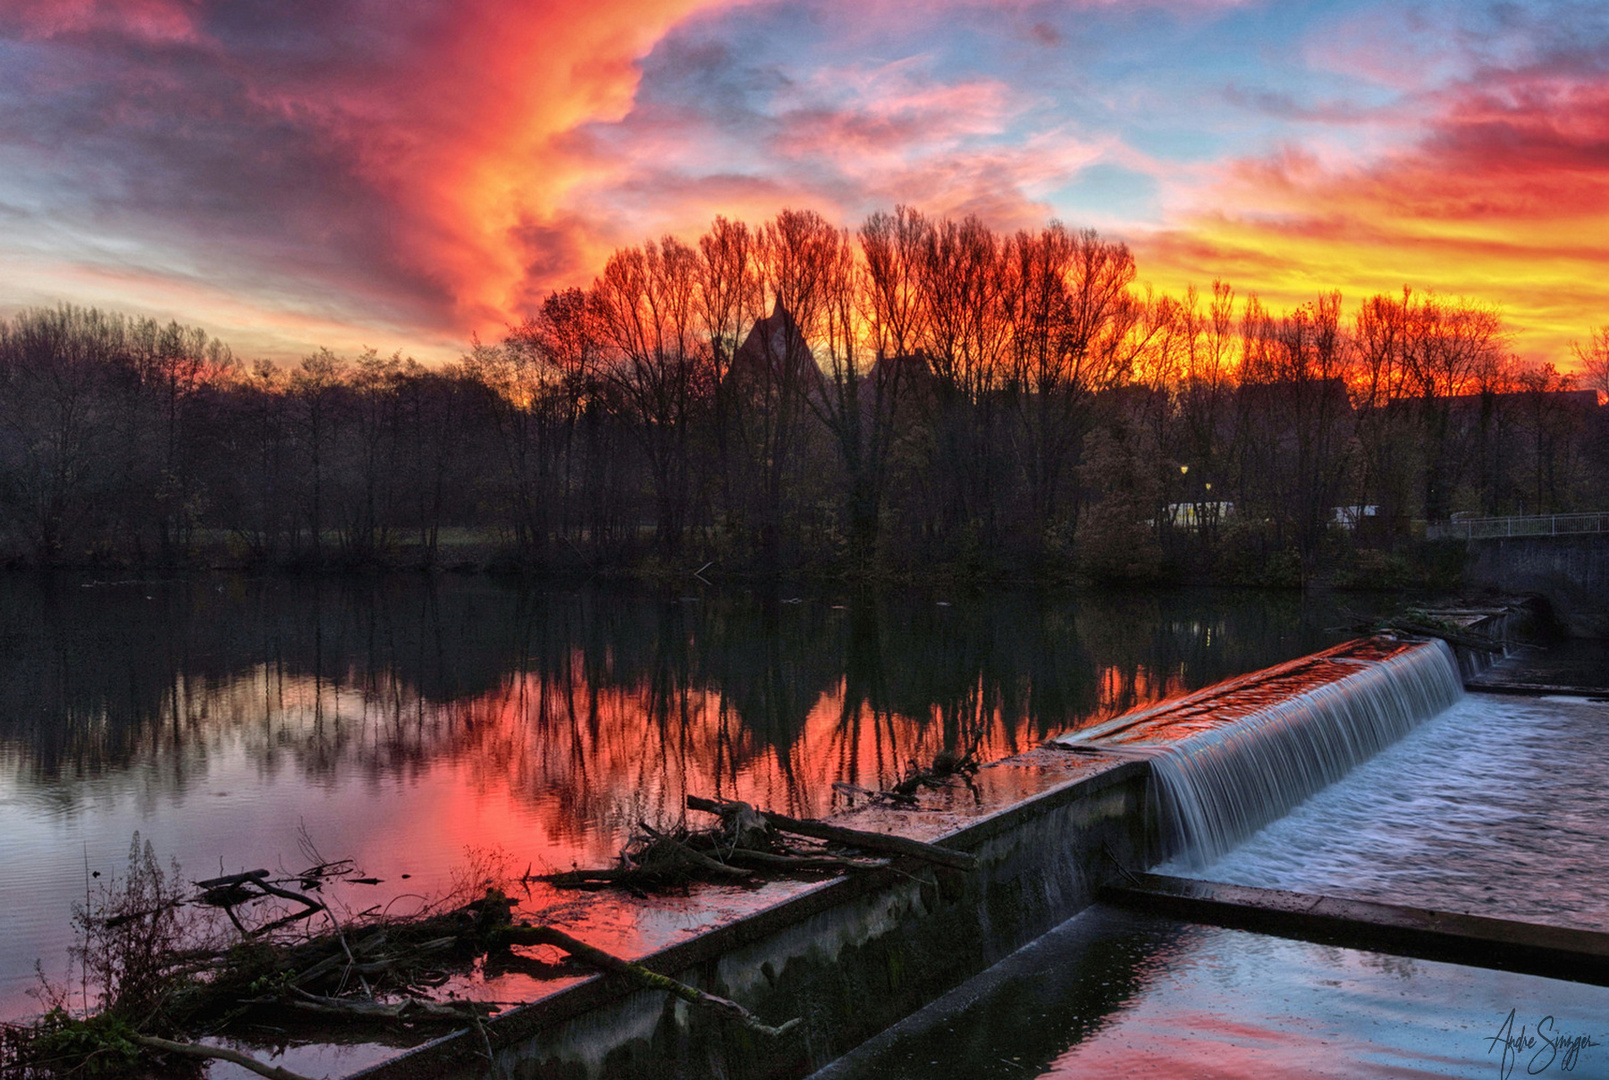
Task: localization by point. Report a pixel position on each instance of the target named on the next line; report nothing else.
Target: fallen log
(837, 834)
(219, 1053)
(765, 860)
(227, 880)
(1452, 635)
(584, 877)
(904, 801)
(408, 1010)
(641, 976)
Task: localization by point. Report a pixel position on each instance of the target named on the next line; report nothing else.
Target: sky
(401, 174)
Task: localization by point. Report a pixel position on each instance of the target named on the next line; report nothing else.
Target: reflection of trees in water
(601, 707)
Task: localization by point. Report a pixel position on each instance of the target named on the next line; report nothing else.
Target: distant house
(775, 359)
(1289, 396)
(1348, 516)
(1189, 515)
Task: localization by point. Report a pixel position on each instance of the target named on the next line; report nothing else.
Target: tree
(1553, 431)
(370, 474)
(1204, 395)
(315, 388)
(54, 368)
(1072, 320)
(1446, 345)
(175, 366)
(966, 338)
(729, 303)
(256, 487)
(1594, 359)
(774, 374)
(861, 406)
(647, 300)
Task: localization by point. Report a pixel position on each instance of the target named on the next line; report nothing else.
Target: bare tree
(966, 338)
(1073, 334)
(775, 376)
(53, 367)
(316, 390)
(1446, 345)
(647, 301)
(882, 295)
(1594, 359)
(729, 302)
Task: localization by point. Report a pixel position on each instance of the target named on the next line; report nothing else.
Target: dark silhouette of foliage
(922, 395)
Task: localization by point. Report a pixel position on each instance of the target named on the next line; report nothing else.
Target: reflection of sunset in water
(589, 762)
(405, 725)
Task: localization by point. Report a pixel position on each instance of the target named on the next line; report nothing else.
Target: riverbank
(1344, 564)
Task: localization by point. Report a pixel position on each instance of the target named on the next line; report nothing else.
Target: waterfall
(1229, 759)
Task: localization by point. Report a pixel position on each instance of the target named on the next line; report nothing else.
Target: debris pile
(743, 846)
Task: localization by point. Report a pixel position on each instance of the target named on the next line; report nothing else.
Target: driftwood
(766, 860)
(639, 975)
(698, 858)
(408, 1010)
(837, 834)
(1424, 625)
(214, 985)
(743, 845)
(218, 1053)
(232, 890)
(902, 795)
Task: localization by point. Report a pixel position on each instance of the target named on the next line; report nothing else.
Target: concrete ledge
(1553, 951)
(1223, 704)
(850, 956)
(1519, 689)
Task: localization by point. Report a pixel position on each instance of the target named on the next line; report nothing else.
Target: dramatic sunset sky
(399, 173)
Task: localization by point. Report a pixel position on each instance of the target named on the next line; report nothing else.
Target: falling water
(1232, 758)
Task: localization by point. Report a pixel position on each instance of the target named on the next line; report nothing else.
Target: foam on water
(1496, 807)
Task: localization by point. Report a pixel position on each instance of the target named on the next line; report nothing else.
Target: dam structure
(1067, 828)
(1229, 759)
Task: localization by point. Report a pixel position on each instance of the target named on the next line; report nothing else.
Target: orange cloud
(469, 149)
(404, 172)
(1505, 199)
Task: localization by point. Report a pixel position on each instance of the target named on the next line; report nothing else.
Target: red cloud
(141, 20)
(395, 158)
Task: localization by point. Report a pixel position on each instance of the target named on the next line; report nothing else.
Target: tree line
(918, 394)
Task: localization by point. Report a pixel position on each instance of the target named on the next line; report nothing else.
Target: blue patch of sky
(1180, 86)
(1103, 193)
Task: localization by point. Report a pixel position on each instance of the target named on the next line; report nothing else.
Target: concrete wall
(850, 958)
(1572, 572)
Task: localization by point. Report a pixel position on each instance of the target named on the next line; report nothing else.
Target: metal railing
(1495, 527)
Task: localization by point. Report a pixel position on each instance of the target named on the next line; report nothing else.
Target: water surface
(1498, 806)
(418, 726)
(1116, 993)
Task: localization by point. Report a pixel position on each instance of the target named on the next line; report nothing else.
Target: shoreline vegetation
(917, 400)
(1415, 564)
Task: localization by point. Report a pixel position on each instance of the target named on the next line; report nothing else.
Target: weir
(1233, 757)
(1049, 829)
